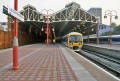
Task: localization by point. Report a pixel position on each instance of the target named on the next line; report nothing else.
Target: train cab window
(75, 38)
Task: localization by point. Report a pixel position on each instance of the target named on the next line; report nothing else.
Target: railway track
(111, 64)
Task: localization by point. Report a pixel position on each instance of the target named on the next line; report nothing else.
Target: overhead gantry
(31, 14)
(72, 12)
(71, 18)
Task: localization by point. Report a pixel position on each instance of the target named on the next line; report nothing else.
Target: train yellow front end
(74, 40)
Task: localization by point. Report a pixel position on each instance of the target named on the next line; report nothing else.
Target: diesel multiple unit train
(73, 40)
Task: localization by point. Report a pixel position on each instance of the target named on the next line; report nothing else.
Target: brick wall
(6, 38)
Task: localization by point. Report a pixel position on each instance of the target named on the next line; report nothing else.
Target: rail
(110, 63)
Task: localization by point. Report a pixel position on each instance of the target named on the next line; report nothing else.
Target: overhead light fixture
(105, 16)
(42, 29)
(52, 29)
(116, 17)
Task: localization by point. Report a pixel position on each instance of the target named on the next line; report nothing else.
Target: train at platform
(73, 40)
(105, 39)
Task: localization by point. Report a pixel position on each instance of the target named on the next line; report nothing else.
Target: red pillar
(97, 40)
(15, 41)
(111, 30)
(50, 34)
(47, 29)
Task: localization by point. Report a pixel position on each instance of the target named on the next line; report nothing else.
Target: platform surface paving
(41, 63)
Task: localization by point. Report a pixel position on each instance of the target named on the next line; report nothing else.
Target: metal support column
(15, 40)
(47, 29)
(97, 28)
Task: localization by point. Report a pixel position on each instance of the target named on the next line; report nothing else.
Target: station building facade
(104, 28)
(97, 12)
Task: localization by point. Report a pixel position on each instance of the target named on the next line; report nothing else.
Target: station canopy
(71, 18)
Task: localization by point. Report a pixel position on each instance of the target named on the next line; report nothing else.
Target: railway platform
(106, 46)
(53, 63)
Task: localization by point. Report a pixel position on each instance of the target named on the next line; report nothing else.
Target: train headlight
(71, 43)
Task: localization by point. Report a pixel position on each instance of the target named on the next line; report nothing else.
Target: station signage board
(13, 13)
(16, 14)
(5, 10)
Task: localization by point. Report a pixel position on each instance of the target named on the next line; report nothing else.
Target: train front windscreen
(75, 39)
